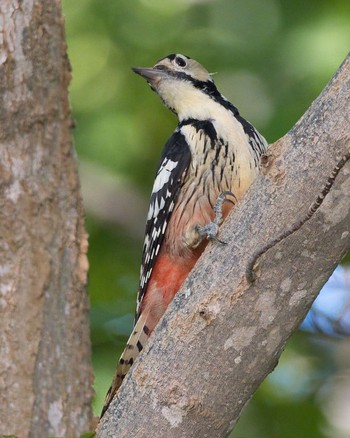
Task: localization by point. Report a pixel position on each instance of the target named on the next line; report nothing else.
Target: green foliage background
(272, 58)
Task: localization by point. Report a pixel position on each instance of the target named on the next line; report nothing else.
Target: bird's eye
(180, 61)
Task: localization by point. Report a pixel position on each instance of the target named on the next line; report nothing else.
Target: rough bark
(45, 372)
(222, 336)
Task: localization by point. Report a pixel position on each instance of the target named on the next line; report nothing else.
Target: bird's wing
(170, 176)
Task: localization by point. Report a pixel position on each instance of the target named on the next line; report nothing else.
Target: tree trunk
(45, 370)
(222, 335)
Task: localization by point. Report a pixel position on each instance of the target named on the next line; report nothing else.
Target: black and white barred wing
(170, 176)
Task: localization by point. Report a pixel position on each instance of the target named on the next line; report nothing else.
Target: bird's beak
(152, 75)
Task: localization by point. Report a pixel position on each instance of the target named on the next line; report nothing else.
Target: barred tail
(134, 346)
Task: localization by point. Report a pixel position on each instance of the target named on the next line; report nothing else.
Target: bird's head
(181, 82)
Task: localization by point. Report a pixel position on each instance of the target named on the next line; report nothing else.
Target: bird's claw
(222, 198)
(211, 230)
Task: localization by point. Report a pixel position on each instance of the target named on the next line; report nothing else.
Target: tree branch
(222, 336)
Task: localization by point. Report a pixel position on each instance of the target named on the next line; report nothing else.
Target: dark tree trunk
(45, 367)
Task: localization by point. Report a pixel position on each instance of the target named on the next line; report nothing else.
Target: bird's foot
(197, 233)
(211, 230)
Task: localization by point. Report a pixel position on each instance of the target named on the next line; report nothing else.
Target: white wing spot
(161, 204)
(164, 174)
(150, 211)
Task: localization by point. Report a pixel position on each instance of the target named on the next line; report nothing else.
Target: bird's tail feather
(134, 346)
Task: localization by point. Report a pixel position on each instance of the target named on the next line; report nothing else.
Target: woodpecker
(213, 152)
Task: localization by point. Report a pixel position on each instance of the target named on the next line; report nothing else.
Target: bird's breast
(222, 160)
